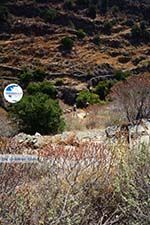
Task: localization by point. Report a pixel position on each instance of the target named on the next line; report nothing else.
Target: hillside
(104, 39)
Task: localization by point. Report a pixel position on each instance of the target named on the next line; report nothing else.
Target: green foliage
(108, 27)
(3, 13)
(92, 11)
(96, 40)
(103, 88)
(68, 4)
(49, 14)
(85, 97)
(140, 33)
(81, 34)
(38, 113)
(44, 87)
(120, 75)
(135, 31)
(27, 76)
(67, 43)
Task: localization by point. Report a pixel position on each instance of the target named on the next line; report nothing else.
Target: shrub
(107, 28)
(92, 11)
(39, 74)
(120, 75)
(96, 40)
(68, 4)
(140, 33)
(133, 97)
(44, 87)
(27, 76)
(85, 97)
(135, 31)
(67, 43)
(103, 88)
(38, 113)
(49, 14)
(80, 34)
(3, 13)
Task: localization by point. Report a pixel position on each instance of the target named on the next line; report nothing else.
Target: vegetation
(107, 28)
(49, 14)
(3, 13)
(133, 95)
(110, 186)
(67, 43)
(38, 113)
(86, 97)
(27, 76)
(103, 88)
(92, 11)
(68, 4)
(120, 75)
(44, 87)
(140, 33)
(81, 34)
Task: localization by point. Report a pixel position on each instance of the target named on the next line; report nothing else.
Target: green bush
(44, 87)
(67, 43)
(135, 31)
(26, 76)
(103, 88)
(96, 40)
(38, 75)
(85, 97)
(49, 14)
(38, 113)
(140, 33)
(107, 28)
(120, 75)
(68, 4)
(3, 13)
(81, 34)
(92, 11)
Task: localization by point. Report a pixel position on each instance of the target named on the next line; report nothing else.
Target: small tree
(44, 87)
(133, 96)
(103, 88)
(67, 43)
(38, 113)
(85, 97)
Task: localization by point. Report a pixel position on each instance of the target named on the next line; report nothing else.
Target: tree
(103, 88)
(44, 87)
(133, 96)
(38, 113)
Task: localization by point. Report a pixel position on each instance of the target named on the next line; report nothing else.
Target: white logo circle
(13, 93)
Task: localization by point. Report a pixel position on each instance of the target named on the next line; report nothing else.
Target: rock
(37, 134)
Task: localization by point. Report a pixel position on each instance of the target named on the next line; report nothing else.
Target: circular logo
(13, 93)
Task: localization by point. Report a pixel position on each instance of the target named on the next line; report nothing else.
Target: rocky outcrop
(133, 134)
